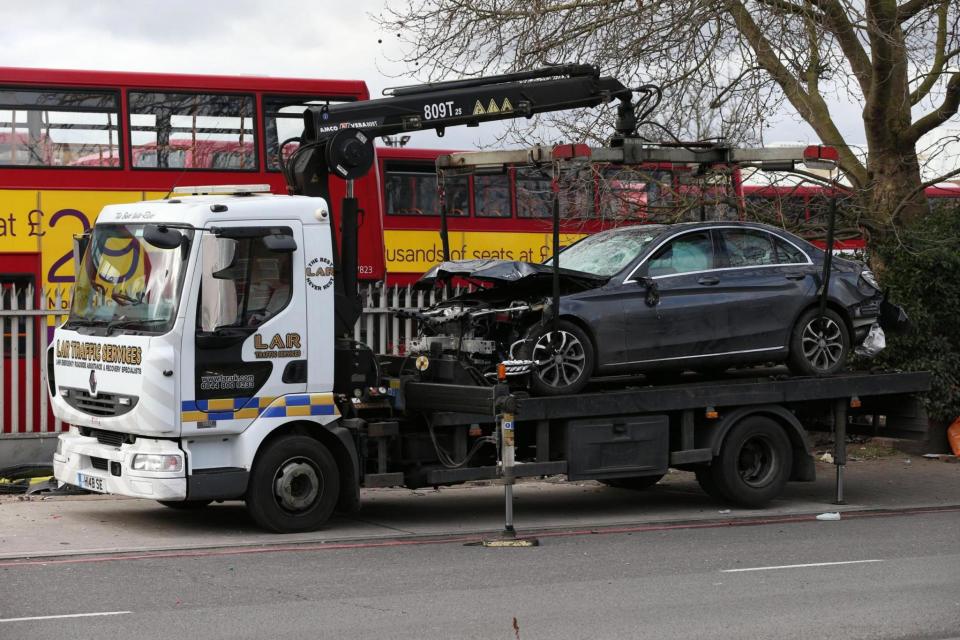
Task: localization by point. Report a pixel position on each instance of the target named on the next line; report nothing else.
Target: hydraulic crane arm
(338, 139)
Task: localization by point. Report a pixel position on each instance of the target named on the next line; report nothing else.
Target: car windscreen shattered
(605, 254)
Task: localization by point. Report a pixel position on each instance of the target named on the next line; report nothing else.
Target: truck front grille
(98, 463)
(109, 438)
(103, 404)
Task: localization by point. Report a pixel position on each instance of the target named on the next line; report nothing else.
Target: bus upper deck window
(59, 128)
(192, 131)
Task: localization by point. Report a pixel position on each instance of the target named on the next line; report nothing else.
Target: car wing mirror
(653, 290)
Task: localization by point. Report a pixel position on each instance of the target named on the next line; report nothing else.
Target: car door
(764, 283)
(681, 325)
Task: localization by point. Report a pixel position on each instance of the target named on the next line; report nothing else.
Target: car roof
(669, 228)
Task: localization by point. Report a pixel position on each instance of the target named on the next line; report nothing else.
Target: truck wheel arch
(803, 465)
(339, 442)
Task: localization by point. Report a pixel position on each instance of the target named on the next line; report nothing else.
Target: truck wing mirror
(80, 243)
(162, 237)
(280, 243)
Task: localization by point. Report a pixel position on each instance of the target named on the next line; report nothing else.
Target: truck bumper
(109, 469)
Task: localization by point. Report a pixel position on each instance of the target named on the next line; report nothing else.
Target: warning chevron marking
(478, 109)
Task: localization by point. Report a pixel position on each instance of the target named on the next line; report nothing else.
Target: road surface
(894, 576)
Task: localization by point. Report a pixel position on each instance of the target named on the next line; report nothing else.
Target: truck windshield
(126, 283)
(606, 253)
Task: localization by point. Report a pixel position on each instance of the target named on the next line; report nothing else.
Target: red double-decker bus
(74, 141)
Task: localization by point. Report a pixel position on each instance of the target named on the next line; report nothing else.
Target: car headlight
(870, 279)
(157, 462)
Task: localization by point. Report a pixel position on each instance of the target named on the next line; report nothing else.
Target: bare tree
(726, 66)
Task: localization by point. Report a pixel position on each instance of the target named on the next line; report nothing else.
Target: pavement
(97, 525)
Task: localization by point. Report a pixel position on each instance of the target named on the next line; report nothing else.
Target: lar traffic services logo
(320, 273)
(93, 383)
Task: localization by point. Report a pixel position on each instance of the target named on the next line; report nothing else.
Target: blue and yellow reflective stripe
(293, 405)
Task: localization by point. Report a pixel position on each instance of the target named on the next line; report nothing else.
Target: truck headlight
(59, 446)
(157, 462)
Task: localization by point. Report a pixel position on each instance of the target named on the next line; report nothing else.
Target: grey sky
(278, 38)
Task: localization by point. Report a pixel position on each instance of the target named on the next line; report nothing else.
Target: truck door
(248, 341)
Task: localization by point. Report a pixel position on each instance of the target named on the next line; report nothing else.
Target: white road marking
(798, 566)
(66, 615)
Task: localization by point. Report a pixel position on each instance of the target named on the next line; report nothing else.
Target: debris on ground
(830, 515)
(827, 457)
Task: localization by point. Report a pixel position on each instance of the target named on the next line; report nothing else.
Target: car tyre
(819, 353)
(637, 483)
(563, 359)
(185, 505)
(294, 485)
(754, 463)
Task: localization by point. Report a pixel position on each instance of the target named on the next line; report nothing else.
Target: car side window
(748, 247)
(690, 252)
(789, 254)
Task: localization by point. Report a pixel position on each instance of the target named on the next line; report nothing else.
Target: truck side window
(243, 283)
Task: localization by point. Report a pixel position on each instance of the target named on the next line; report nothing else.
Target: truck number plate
(92, 483)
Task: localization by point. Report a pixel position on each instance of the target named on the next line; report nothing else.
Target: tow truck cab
(187, 344)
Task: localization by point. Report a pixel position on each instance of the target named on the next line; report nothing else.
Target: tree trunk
(894, 197)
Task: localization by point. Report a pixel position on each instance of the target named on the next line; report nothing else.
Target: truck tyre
(754, 462)
(705, 479)
(294, 485)
(185, 505)
(637, 483)
(816, 351)
(563, 359)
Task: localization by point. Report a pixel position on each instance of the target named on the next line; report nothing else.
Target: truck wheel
(637, 483)
(705, 479)
(563, 359)
(185, 505)
(754, 462)
(819, 346)
(294, 485)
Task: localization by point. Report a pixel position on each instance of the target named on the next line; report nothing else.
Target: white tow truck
(207, 355)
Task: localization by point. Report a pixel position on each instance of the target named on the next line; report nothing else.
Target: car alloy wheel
(560, 358)
(822, 343)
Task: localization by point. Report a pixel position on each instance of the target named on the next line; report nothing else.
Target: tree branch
(909, 9)
(946, 110)
(939, 57)
(811, 107)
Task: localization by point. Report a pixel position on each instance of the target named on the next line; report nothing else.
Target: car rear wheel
(637, 483)
(563, 358)
(819, 346)
(293, 485)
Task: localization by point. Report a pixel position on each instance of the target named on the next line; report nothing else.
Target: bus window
(491, 196)
(282, 120)
(626, 193)
(53, 128)
(577, 195)
(411, 190)
(199, 126)
(534, 195)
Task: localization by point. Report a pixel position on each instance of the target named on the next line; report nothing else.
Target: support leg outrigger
(506, 432)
